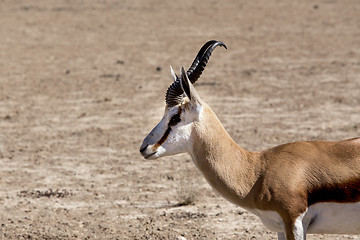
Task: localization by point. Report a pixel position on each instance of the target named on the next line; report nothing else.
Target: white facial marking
(168, 138)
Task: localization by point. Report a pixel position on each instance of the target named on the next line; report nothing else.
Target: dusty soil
(83, 82)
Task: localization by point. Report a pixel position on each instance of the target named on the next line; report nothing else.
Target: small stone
(180, 238)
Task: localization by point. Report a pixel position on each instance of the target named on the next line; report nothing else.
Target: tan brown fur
(280, 179)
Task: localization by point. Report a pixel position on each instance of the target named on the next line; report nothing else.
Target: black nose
(143, 149)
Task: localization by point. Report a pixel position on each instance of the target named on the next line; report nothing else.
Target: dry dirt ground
(83, 82)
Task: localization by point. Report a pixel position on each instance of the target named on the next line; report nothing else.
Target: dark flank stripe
(348, 192)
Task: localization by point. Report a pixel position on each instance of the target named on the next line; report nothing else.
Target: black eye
(174, 120)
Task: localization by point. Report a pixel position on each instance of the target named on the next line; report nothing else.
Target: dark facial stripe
(165, 136)
(348, 192)
(163, 139)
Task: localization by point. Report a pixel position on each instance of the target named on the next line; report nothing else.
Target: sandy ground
(83, 82)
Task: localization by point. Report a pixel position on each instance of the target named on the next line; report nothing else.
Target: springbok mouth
(144, 148)
(148, 156)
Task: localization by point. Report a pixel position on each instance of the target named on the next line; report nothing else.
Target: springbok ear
(188, 88)
(173, 74)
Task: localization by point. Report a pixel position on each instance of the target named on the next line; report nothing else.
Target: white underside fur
(341, 218)
(332, 218)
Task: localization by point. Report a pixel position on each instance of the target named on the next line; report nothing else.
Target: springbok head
(183, 109)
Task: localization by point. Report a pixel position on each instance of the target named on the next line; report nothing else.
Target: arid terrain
(83, 82)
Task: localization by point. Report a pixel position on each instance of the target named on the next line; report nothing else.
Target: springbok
(295, 188)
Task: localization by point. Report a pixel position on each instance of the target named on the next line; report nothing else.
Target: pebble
(180, 238)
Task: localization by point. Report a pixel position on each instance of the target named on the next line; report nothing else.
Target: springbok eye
(174, 120)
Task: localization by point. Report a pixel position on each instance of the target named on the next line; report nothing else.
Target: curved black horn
(202, 58)
(174, 94)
